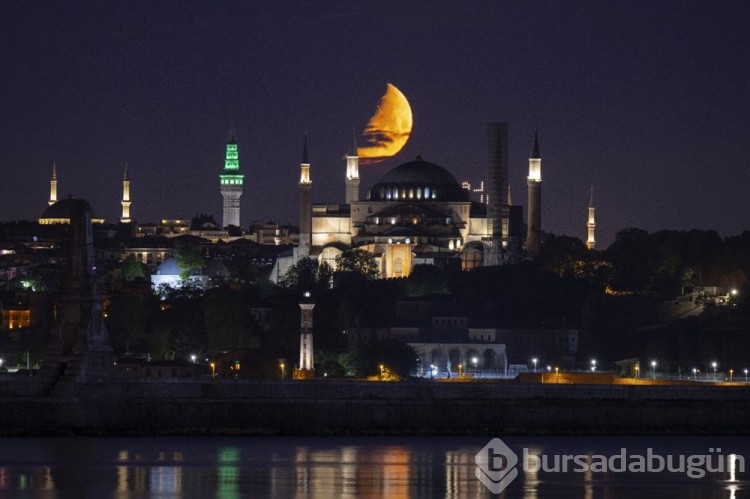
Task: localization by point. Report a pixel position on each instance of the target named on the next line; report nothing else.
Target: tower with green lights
(231, 185)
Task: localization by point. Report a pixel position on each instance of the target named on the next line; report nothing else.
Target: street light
(381, 372)
(534, 361)
(213, 370)
(731, 373)
(653, 368)
(460, 370)
(281, 366)
(713, 364)
(745, 375)
(192, 357)
(637, 371)
(593, 365)
(695, 372)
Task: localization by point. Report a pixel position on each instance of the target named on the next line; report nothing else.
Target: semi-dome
(418, 180)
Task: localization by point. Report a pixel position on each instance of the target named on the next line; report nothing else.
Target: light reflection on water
(230, 468)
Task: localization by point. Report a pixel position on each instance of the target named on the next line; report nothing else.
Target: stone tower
(53, 186)
(305, 204)
(498, 211)
(534, 216)
(352, 172)
(83, 353)
(231, 185)
(305, 369)
(125, 197)
(591, 225)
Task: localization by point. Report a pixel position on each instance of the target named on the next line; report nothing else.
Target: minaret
(231, 185)
(305, 204)
(591, 225)
(534, 181)
(352, 173)
(53, 186)
(125, 197)
(305, 370)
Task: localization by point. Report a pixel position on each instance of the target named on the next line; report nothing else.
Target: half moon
(389, 128)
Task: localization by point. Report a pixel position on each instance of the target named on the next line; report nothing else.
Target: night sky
(645, 100)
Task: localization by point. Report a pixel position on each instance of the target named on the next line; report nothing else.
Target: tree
(224, 316)
(426, 280)
(132, 269)
(356, 260)
(189, 259)
(307, 275)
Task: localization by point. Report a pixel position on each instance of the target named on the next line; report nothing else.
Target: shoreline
(366, 408)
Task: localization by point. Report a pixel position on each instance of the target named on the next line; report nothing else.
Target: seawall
(362, 407)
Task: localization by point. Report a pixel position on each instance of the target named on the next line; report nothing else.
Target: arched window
(398, 267)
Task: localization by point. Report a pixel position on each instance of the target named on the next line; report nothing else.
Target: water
(328, 467)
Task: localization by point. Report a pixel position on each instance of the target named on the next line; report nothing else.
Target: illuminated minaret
(352, 173)
(53, 186)
(305, 369)
(591, 225)
(305, 204)
(534, 181)
(231, 185)
(125, 197)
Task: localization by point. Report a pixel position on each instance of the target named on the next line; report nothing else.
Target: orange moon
(389, 128)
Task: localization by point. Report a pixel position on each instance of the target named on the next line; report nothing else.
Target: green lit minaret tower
(231, 185)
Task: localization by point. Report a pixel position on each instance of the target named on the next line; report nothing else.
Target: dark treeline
(611, 296)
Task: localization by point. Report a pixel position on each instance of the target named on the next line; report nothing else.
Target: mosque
(418, 213)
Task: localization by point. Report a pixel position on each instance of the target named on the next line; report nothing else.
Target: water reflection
(229, 468)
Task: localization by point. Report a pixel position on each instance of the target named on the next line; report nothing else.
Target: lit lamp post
(593, 365)
(713, 364)
(474, 361)
(745, 375)
(534, 360)
(731, 374)
(213, 370)
(695, 374)
(281, 366)
(653, 368)
(460, 370)
(637, 371)
(192, 357)
(381, 372)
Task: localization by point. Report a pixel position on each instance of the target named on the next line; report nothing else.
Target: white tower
(305, 204)
(231, 185)
(352, 173)
(591, 225)
(305, 370)
(53, 186)
(534, 216)
(125, 197)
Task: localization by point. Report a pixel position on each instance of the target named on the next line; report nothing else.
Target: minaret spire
(305, 204)
(591, 225)
(53, 185)
(352, 171)
(534, 216)
(125, 197)
(231, 185)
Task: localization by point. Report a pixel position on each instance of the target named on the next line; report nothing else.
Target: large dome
(68, 208)
(64, 210)
(418, 180)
